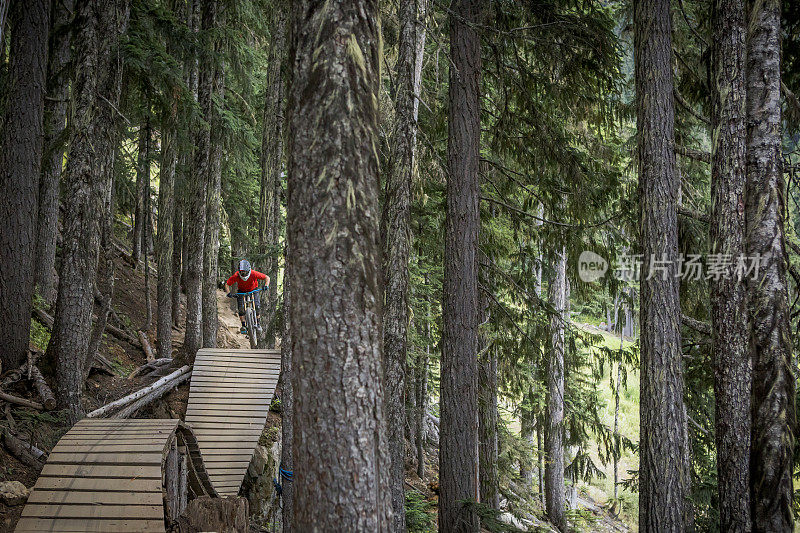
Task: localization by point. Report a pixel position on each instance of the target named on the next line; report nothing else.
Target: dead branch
(152, 396)
(24, 451)
(97, 413)
(42, 388)
(148, 350)
(21, 401)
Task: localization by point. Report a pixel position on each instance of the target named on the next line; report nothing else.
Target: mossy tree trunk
(458, 439)
(335, 301)
(773, 408)
(664, 472)
(732, 364)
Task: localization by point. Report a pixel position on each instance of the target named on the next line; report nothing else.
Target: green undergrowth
(420, 515)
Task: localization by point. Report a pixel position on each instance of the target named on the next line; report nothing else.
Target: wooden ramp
(118, 475)
(109, 475)
(229, 398)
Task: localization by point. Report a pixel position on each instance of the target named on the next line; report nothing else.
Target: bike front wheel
(251, 329)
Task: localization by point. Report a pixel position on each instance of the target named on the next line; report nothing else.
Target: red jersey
(250, 284)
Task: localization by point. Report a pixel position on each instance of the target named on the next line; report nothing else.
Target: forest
(531, 265)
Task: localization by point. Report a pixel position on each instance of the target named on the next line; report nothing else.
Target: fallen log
(42, 388)
(147, 367)
(120, 334)
(148, 350)
(101, 363)
(24, 451)
(130, 410)
(21, 401)
(43, 317)
(140, 393)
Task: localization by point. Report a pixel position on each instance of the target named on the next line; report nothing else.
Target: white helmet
(244, 269)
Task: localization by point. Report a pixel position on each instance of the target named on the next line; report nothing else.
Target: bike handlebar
(229, 295)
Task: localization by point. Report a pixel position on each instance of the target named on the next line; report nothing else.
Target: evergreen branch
(693, 213)
(697, 155)
(524, 213)
(697, 325)
(688, 107)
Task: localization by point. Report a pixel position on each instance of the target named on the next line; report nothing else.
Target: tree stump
(224, 515)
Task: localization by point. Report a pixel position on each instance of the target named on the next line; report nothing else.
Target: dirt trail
(229, 323)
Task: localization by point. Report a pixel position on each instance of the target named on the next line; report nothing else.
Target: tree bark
(167, 214)
(87, 176)
(213, 204)
(20, 167)
(397, 245)
(422, 386)
(287, 402)
(142, 188)
(3, 16)
(663, 471)
(554, 437)
(773, 409)
(487, 427)
(272, 165)
(732, 364)
(55, 116)
(458, 438)
(195, 221)
(335, 302)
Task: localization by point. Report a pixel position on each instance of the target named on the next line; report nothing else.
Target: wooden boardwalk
(229, 397)
(117, 475)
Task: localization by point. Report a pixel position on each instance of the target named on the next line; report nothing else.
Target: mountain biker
(247, 280)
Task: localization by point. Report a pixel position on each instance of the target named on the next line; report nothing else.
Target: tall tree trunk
(213, 205)
(458, 439)
(20, 167)
(554, 437)
(3, 15)
(773, 408)
(177, 245)
(487, 427)
(664, 473)
(142, 188)
(339, 425)
(732, 364)
(195, 220)
(55, 117)
(421, 387)
(98, 24)
(167, 214)
(148, 304)
(287, 402)
(397, 245)
(143, 207)
(272, 165)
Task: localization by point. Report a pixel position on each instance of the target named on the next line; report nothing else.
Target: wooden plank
(224, 416)
(98, 484)
(132, 441)
(106, 458)
(229, 448)
(155, 512)
(95, 498)
(233, 423)
(236, 381)
(222, 366)
(30, 525)
(227, 392)
(107, 471)
(108, 446)
(237, 350)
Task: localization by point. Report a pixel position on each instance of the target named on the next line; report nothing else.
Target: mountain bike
(250, 315)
